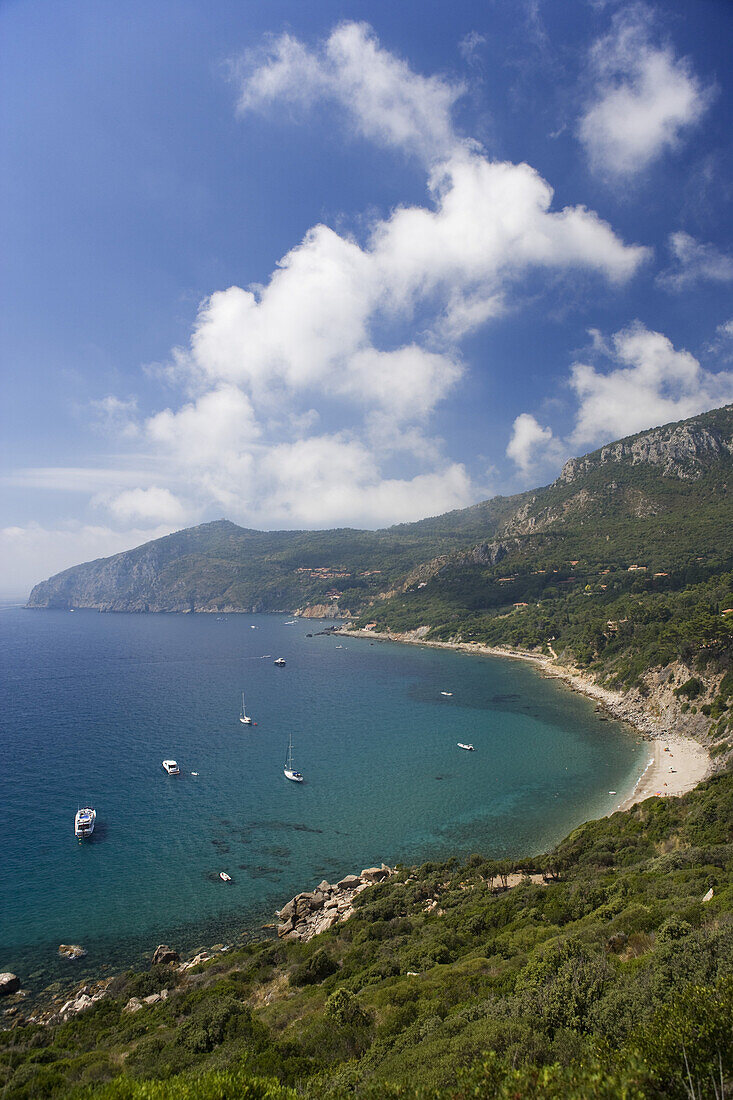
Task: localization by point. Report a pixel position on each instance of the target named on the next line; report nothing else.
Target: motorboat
(288, 771)
(224, 876)
(280, 661)
(468, 748)
(171, 767)
(84, 822)
(244, 718)
(446, 693)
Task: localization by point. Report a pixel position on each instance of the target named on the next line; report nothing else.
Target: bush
(691, 688)
(343, 1008)
(319, 966)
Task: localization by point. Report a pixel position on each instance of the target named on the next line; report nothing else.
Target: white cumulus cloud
(645, 97)
(528, 440)
(386, 101)
(651, 383)
(153, 505)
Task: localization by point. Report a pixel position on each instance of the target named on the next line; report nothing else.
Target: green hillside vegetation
(636, 573)
(220, 566)
(612, 978)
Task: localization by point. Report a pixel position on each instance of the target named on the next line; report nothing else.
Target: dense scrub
(611, 978)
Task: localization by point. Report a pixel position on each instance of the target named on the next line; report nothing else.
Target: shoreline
(676, 764)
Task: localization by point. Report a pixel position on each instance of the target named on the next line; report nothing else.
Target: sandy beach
(675, 764)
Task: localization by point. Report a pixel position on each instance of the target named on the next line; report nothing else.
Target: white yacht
(84, 822)
(288, 771)
(468, 748)
(280, 661)
(171, 767)
(244, 718)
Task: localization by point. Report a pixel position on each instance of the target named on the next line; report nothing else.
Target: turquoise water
(91, 705)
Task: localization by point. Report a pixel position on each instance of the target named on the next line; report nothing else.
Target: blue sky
(328, 264)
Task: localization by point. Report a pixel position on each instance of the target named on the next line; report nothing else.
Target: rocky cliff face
(681, 450)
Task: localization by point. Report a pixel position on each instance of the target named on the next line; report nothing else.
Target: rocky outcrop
(310, 913)
(322, 611)
(136, 1003)
(64, 1007)
(682, 450)
(165, 955)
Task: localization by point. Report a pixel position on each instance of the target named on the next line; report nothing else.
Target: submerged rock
(72, 951)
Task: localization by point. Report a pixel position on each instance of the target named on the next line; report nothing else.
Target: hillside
(222, 567)
(622, 565)
(608, 974)
(660, 499)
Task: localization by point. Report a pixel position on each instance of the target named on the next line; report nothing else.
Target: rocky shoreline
(303, 917)
(310, 913)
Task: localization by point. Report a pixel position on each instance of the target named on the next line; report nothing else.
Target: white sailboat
(288, 770)
(244, 718)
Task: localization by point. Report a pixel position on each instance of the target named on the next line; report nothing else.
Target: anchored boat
(288, 771)
(84, 822)
(244, 718)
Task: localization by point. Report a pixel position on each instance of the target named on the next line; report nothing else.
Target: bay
(92, 704)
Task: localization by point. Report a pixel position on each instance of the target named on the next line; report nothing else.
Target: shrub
(691, 688)
(343, 1008)
(314, 970)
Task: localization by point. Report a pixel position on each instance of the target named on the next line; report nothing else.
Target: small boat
(613, 792)
(224, 876)
(446, 693)
(280, 661)
(194, 773)
(84, 822)
(290, 622)
(244, 718)
(288, 770)
(171, 767)
(468, 748)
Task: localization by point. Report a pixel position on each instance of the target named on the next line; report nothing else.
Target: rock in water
(9, 983)
(165, 955)
(72, 951)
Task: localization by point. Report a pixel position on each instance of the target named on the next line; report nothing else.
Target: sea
(91, 704)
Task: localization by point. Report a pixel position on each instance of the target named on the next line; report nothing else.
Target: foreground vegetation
(612, 978)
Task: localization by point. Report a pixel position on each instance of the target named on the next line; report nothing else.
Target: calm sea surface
(91, 705)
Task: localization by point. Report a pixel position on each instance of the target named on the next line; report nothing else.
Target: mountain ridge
(244, 569)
